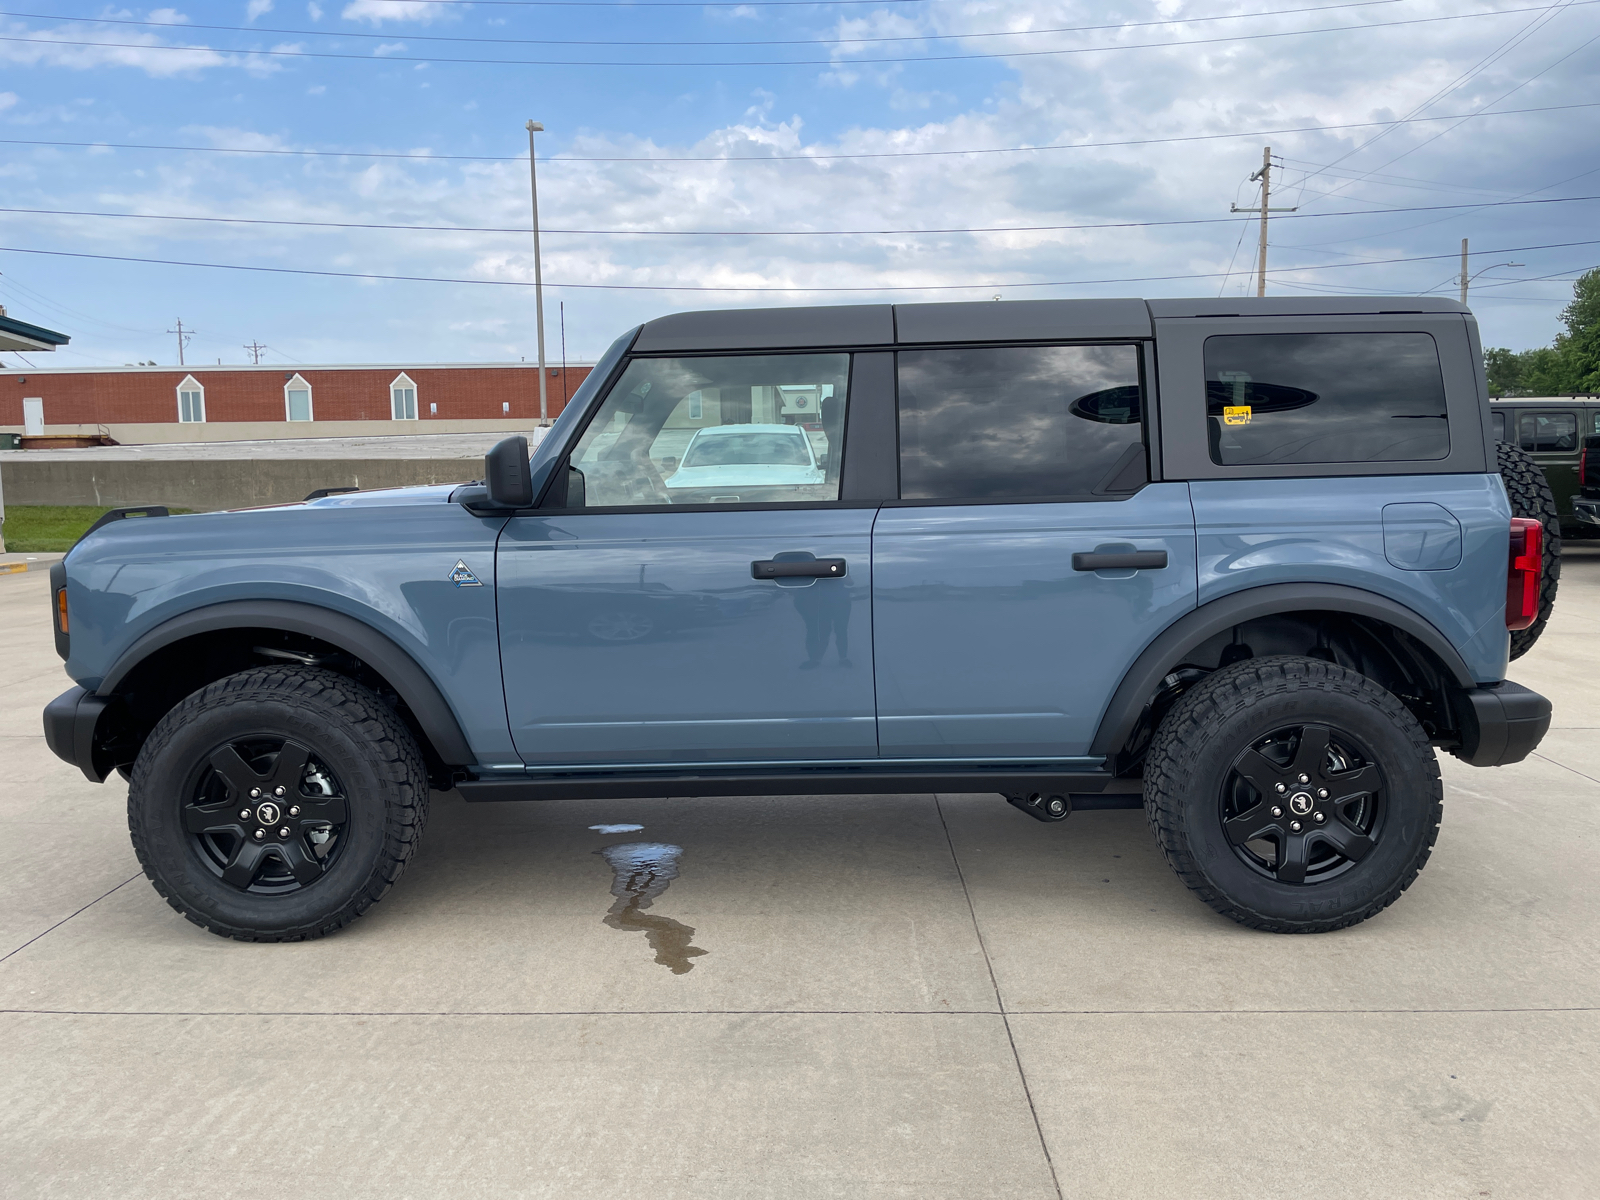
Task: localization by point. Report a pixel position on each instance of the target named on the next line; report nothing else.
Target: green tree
(1571, 364)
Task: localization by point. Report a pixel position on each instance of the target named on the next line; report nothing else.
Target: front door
(701, 597)
(1028, 562)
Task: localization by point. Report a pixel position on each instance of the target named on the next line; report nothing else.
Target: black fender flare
(380, 652)
(1193, 628)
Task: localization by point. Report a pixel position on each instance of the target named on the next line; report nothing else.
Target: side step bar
(1089, 789)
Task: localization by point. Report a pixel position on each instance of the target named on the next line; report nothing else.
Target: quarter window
(1281, 398)
(1020, 422)
(759, 429)
(191, 401)
(1549, 433)
(403, 399)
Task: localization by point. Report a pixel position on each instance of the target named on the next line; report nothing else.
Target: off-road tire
(1530, 496)
(365, 746)
(1195, 749)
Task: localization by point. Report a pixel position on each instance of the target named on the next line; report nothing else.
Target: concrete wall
(208, 484)
(162, 433)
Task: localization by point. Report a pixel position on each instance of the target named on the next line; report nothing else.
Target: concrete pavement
(912, 996)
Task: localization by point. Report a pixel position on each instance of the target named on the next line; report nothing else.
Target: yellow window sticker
(1236, 414)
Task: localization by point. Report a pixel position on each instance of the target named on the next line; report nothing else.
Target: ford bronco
(1245, 563)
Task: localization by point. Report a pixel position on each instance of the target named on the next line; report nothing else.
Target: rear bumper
(70, 722)
(1501, 723)
(1587, 511)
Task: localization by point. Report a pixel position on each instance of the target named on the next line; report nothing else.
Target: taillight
(1522, 579)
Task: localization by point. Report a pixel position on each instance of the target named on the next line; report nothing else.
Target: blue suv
(1245, 563)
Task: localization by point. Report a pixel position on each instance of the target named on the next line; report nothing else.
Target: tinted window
(1324, 398)
(1549, 432)
(1499, 420)
(758, 429)
(1016, 422)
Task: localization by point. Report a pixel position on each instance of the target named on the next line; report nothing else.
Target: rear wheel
(1530, 496)
(277, 805)
(1293, 795)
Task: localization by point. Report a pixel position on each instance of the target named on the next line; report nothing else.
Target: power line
(568, 159)
(632, 287)
(783, 233)
(825, 41)
(793, 62)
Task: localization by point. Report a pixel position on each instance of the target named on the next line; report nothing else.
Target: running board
(1088, 789)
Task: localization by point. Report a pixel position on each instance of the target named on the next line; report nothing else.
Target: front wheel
(277, 805)
(1293, 795)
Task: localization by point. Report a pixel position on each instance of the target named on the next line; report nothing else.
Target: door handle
(813, 568)
(1136, 560)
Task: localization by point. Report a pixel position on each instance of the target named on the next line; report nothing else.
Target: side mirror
(505, 474)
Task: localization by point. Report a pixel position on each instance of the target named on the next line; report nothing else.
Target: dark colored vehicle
(1586, 505)
(1552, 429)
(1247, 564)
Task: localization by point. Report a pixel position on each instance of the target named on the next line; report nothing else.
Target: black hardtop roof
(983, 321)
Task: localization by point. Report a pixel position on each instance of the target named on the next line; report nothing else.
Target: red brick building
(59, 397)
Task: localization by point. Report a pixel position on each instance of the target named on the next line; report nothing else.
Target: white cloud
(147, 52)
(7, 99)
(256, 8)
(379, 11)
(385, 48)
(314, 10)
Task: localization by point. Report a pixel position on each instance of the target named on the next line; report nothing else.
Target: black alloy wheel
(266, 816)
(277, 804)
(1303, 804)
(1292, 794)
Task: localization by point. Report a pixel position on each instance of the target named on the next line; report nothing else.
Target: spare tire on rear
(1531, 497)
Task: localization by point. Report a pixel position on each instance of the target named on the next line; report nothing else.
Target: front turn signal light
(61, 610)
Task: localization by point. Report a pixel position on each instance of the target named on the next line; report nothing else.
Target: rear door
(1029, 560)
(700, 603)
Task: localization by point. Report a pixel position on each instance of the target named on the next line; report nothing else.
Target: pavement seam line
(1564, 767)
(67, 918)
(1005, 1018)
(807, 1012)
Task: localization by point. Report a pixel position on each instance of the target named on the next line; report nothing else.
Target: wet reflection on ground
(642, 871)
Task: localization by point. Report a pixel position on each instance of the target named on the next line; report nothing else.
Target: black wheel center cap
(1300, 803)
(268, 813)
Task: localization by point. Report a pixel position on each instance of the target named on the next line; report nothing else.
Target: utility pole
(538, 280)
(1465, 278)
(255, 349)
(1265, 176)
(183, 338)
(563, 356)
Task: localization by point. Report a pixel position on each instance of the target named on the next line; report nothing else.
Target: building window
(191, 401)
(403, 399)
(297, 399)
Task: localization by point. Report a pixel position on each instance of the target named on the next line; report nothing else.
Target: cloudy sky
(715, 155)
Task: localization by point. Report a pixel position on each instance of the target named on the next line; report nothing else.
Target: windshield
(748, 449)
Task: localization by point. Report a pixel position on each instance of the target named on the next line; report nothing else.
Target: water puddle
(642, 872)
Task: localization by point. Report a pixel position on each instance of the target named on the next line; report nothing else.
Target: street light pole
(538, 279)
(1466, 280)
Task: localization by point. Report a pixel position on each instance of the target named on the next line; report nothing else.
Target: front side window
(1017, 422)
(1549, 433)
(403, 399)
(1281, 398)
(756, 429)
(191, 401)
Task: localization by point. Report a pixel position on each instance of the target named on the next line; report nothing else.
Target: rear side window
(1283, 398)
(1499, 420)
(1019, 422)
(1549, 433)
